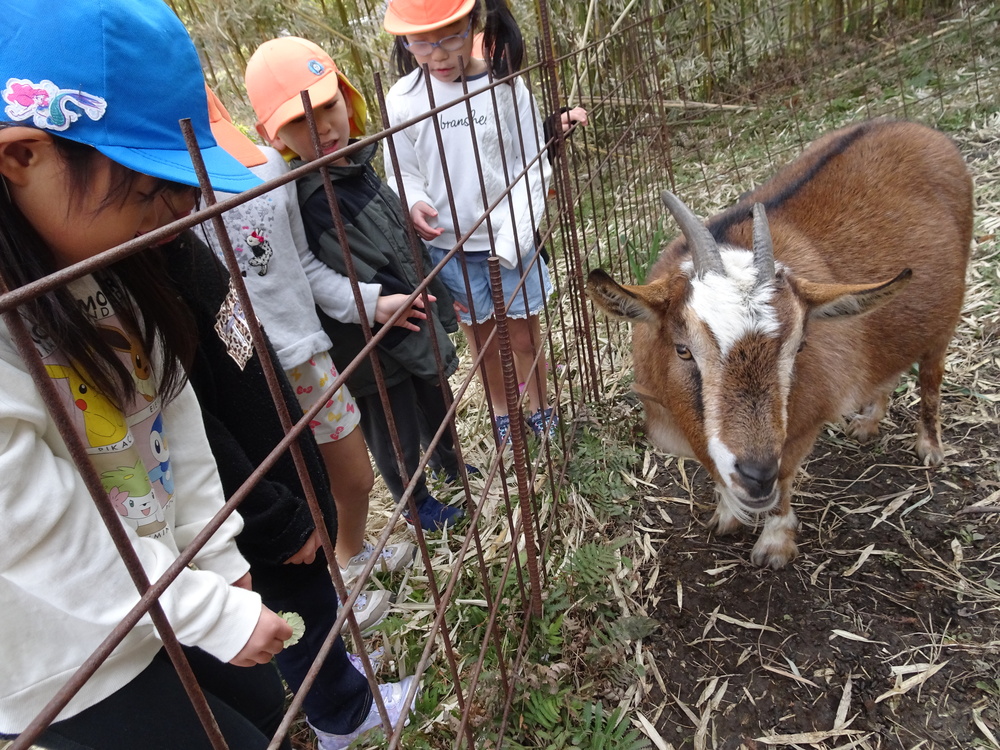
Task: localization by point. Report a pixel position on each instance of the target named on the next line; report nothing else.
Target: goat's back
(860, 205)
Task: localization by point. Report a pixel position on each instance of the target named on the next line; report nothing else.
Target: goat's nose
(758, 476)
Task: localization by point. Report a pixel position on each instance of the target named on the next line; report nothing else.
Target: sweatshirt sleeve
(406, 154)
(54, 545)
(197, 480)
(528, 194)
(331, 290)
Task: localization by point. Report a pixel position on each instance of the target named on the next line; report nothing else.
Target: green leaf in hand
(297, 624)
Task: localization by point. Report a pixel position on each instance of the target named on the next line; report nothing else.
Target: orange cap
(417, 16)
(229, 136)
(282, 68)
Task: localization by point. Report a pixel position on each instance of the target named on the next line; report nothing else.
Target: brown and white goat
(857, 270)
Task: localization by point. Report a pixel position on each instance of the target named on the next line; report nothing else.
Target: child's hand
(387, 306)
(422, 214)
(577, 115)
(267, 639)
(459, 307)
(307, 554)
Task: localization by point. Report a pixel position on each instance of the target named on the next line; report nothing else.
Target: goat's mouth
(752, 504)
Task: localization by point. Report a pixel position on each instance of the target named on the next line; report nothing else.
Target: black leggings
(418, 409)
(153, 712)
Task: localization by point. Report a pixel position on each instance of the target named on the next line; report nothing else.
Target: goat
(742, 356)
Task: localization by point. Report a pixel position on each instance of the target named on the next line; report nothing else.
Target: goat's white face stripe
(732, 306)
(725, 463)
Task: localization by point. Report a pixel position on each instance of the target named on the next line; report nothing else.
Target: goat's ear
(632, 302)
(835, 300)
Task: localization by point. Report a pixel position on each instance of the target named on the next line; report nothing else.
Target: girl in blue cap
(91, 155)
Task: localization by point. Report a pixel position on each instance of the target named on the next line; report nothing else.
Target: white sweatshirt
(423, 172)
(286, 281)
(63, 586)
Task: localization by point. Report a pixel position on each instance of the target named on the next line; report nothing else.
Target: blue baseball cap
(117, 75)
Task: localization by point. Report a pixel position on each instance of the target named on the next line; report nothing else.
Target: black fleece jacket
(374, 223)
(241, 421)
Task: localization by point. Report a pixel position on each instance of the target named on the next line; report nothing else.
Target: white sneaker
(375, 657)
(392, 558)
(393, 694)
(370, 608)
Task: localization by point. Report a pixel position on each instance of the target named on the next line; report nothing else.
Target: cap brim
(224, 172)
(238, 145)
(320, 92)
(394, 24)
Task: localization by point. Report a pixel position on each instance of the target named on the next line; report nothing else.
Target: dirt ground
(883, 633)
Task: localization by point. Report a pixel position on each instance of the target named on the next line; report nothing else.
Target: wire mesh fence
(703, 99)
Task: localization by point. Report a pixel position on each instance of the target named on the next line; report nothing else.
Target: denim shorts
(479, 282)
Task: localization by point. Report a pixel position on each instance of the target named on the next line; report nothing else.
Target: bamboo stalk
(586, 101)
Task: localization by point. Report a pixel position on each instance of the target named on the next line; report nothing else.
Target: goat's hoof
(929, 453)
(862, 429)
(774, 554)
(723, 522)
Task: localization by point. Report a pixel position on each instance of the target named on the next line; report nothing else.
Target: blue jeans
(340, 697)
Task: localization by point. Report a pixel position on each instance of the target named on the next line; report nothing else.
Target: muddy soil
(883, 633)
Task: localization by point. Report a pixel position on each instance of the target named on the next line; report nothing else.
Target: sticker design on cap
(48, 105)
(316, 67)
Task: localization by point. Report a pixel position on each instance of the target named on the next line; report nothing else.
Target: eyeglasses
(451, 43)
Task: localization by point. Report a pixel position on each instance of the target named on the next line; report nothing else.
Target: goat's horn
(763, 249)
(701, 243)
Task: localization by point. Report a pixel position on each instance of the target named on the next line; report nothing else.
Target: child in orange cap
(374, 226)
(286, 283)
(288, 566)
(437, 35)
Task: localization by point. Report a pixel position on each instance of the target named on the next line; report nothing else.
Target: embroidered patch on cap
(49, 106)
(316, 67)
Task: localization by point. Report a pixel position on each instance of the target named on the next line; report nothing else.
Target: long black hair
(500, 35)
(144, 299)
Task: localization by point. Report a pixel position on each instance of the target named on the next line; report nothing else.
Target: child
(276, 73)
(91, 156)
(439, 34)
(279, 538)
(286, 282)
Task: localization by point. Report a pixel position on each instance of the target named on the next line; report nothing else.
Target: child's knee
(522, 341)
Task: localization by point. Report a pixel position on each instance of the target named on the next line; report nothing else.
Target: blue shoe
(542, 421)
(450, 477)
(434, 515)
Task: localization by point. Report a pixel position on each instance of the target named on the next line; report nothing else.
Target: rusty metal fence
(704, 107)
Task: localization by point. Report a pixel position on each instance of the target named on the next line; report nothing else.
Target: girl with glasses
(485, 148)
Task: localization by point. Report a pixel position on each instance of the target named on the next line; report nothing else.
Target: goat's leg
(865, 425)
(727, 517)
(928, 445)
(776, 546)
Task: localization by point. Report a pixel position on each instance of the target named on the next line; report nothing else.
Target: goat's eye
(802, 345)
(682, 351)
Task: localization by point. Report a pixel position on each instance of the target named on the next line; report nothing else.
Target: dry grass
(904, 559)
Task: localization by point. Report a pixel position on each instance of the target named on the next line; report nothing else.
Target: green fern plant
(593, 563)
(543, 709)
(601, 731)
